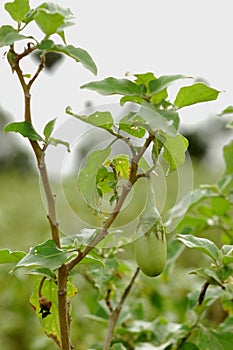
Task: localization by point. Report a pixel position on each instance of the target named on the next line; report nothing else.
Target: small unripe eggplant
(151, 251)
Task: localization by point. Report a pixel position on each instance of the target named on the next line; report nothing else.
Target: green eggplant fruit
(151, 252)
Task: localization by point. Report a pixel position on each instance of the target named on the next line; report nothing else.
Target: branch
(50, 198)
(116, 312)
(108, 222)
(40, 68)
(63, 309)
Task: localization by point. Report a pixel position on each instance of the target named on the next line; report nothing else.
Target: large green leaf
(25, 129)
(163, 82)
(175, 148)
(208, 338)
(7, 256)
(51, 18)
(78, 54)
(8, 35)
(87, 177)
(228, 157)
(102, 120)
(110, 86)
(204, 245)
(50, 324)
(156, 119)
(104, 277)
(17, 9)
(46, 254)
(195, 93)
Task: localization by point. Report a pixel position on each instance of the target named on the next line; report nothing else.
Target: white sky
(165, 37)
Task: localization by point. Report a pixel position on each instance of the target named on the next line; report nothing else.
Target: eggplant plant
(150, 130)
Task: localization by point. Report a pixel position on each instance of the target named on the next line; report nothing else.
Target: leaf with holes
(102, 120)
(46, 254)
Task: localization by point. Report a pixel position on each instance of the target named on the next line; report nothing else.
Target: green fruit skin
(151, 253)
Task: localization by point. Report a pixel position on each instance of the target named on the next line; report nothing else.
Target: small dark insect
(45, 306)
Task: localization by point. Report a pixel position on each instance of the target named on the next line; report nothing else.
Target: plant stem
(116, 312)
(63, 310)
(108, 222)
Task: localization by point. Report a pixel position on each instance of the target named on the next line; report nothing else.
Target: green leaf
(110, 86)
(156, 119)
(227, 254)
(91, 260)
(118, 346)
(220, 205)
(78, 54)
(228, 110)
(48, 129)
(195, 93)
(102, 120)
(50, 324)
(105, 180)
(7, 256)
(87, 177)
(204, 245)
(189, 346)
(209, 275)
(175, 148)
(43, 271)
(163, 82)
(208, 338)
(55, 142)
(132, 99)
(121, 164)
(25, 129)
(51, 19)
(49, 23)
(46, 255)
(228, 157)
(144, 79)
(104, 277)
(17, 9)
(159, 97)
(127, 124)
(8, 35)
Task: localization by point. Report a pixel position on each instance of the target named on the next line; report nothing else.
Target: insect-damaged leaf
(50, 323)
(46, 254)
